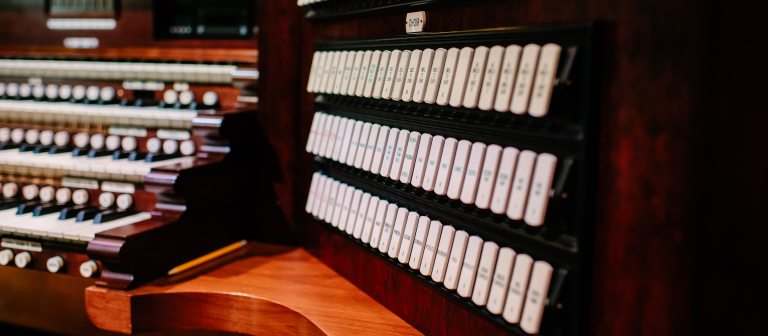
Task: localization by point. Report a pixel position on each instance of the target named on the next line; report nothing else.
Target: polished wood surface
(260, 290)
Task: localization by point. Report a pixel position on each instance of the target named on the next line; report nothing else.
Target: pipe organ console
(464, 159)
(103, 154)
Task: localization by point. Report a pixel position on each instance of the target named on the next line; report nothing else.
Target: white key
(346, 76)
(459, 169)
(422, 75)
(370, 146)
(442, 254)
(370, 218)
(525, 75)
(312, 191)
(354, 77)
(538, 198)
(354, 143)
(504, 180)
(373, 69)
(362, 144)
(362, 214)
(418, 242)
(446, 79)
(521, 185)
(462, 74)
(456, 259)
(313, 132)
(409, 158)
(381, 74)
(381, 144)
(488, 176)
(491, 78)
(545, 80)
(476, 75)
(354, 211)
(469, 268)
(386, 230)
(389, 152)
(536, 298)
(500, 284)
(474, 169)
(364, 71)
(422, 155)
(435, 75)
(378, 224)
(410, 75)
(332, 135)
(399, 154)
(430, 171)
(344, 217)
(330, 203)
(507, 78)
(317, 142)
(445, 167)
(339, 72)
(518, 286)
(389, 79)
(326, 135)
(485, 273)
(313, 70)
(339, 202)
(400, 73)
(339, 141)
(408, 237)
(430, 248)
(397, 232)
(327, 67)
(333, 73)
(347, 141)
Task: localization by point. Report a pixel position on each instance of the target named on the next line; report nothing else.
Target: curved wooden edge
(231, 312)
(264, 289)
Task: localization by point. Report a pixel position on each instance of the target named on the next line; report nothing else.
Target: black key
(9, 203)
(151, 157)
(136, 156)
(111, 214)
(48, 208)
(27, 207)
(8, 145)
(26, 147)
(86, 214)
(71, 212)
(119, 155)
(42, 149)
(59, 150)
(98, 153)
(79, 152)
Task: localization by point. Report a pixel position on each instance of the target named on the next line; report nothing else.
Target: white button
(65, 92)
(78, 92)
(12, 90)
(170, 97)
(106, 199)
(80, 196)
(32, 136)
(88, 269)
(186, 97)
(30, 191)
(38, 91)
(5, 257)
(25, 90)
(92, 93)
(97, 141)
(22, 259)
(47, 194)
(54, 264)
(46, 138)
(129, 144)
(112, 142)
(187, 147)
(170, 146)
(61, 138)
(154, 145)
(63, 195)
(51, 91)
(107, 93)
(5, 134)
(210, 98)
(17, 135)
(81, 139)
(10, 190)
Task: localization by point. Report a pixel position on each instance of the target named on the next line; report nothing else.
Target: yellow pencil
(210, 256)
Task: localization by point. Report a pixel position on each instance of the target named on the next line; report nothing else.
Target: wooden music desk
(258, 290)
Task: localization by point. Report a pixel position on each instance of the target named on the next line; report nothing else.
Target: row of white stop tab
(503, 281)
(504, 180)
(517, 79)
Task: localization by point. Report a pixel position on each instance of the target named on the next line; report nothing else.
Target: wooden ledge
(259, 289)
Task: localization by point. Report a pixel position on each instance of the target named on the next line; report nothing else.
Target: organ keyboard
(464, 159)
